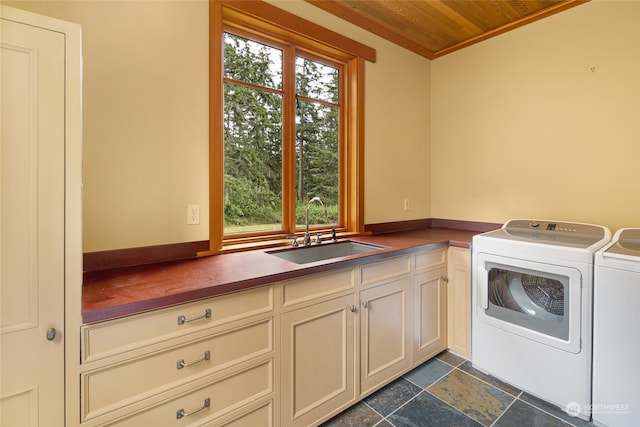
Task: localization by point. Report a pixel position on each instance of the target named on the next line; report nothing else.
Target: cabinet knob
(352, 308)
(365, 304)
(444, 279)
(51, 334)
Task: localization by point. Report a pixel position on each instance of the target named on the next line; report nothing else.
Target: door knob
(51, 334)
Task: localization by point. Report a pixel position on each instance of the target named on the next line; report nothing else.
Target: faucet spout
(307, 238)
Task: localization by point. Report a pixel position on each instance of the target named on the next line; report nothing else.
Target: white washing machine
(532, 306)
(616, 333)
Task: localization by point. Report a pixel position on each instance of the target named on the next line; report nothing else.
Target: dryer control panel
(572, 234)
(555, 226)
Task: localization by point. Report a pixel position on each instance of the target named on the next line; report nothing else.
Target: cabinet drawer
(119, 385)
(315, 286)
(224, 396)
(384, 270)
(258, 414)
(117, 336)
(430, 259)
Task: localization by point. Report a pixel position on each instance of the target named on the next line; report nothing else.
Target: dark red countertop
(119, 292)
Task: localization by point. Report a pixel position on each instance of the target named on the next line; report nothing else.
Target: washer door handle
(483, 287)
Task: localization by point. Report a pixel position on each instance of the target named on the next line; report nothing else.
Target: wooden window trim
(259, 12)
(260, 15)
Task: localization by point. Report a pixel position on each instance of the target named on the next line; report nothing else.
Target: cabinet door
(385, 343)
(32, 221)
(430, 318)
(459, 301)
(317, 361)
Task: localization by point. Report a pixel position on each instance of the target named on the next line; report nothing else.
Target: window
(286, 126)
(252, 139)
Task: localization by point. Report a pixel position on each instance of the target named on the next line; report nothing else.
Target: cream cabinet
(293, 353)
(346, 333)
(430, 304)
(385, 321)
(385, 333)
(318, 347)
(258, 413)
(212, 398)
(197, 363)
(459, 301)
(317, 360)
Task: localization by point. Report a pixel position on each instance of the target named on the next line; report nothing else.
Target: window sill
(230, 247)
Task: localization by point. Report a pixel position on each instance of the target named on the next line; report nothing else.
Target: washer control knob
(535, 224)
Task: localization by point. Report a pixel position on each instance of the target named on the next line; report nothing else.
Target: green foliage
(316, 214)
(245, 205)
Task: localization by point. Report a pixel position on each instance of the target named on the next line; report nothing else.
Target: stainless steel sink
(324, 251)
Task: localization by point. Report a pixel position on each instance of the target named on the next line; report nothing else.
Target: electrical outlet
(193, 214)
(406, 204)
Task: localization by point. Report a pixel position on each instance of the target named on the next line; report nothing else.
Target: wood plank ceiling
(433, 28)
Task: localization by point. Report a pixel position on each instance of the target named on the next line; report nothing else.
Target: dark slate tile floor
(447, 391)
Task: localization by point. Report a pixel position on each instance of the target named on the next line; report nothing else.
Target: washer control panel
(627, 242)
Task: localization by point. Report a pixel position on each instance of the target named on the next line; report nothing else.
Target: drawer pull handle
(182, 319)
(182, 364)
(181, 413)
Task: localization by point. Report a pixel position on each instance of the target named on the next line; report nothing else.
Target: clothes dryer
(532, 306)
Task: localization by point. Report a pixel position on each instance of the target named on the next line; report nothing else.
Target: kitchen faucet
(307, 238)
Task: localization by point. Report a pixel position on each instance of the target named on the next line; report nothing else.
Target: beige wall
(542, 122)
(146, 120)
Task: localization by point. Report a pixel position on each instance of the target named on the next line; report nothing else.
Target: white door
(32, 251)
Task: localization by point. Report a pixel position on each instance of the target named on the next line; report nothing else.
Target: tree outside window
(254, 158)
